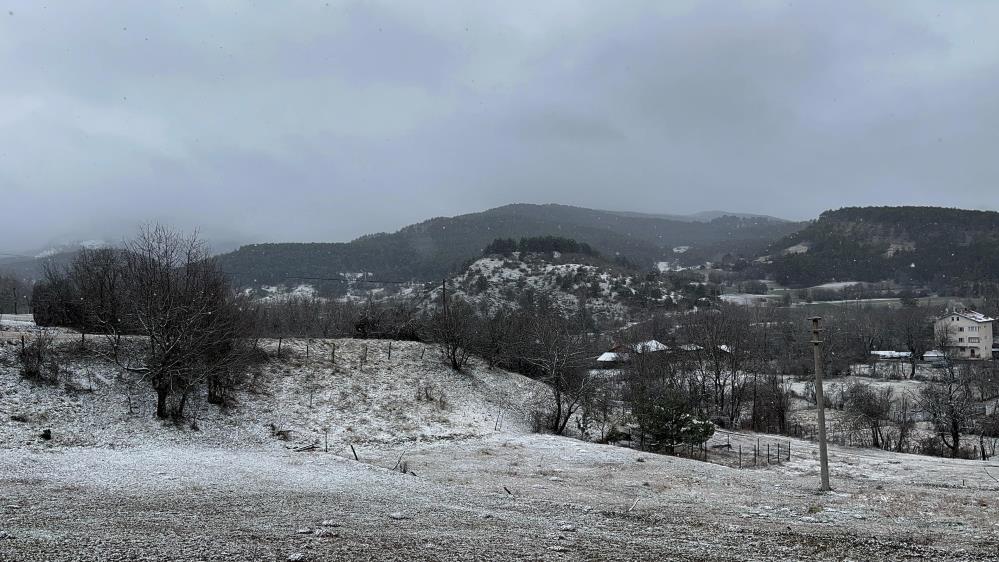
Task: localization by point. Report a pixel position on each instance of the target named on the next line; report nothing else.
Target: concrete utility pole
(444, 296)
(820, 402)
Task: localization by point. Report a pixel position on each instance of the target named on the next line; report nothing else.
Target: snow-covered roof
(725, 348)
(611, 357)
(892, 354)
(650, 346)
(971, 315)
(934, 353)
(690, 347)
(977, 316)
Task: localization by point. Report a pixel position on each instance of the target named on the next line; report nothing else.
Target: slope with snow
(366, 396)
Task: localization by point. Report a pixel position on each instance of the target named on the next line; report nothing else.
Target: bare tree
(179, 302)
(869, 409)
(56, 299)
(558, 352)
(497, 336)
(452, 329)
(915, 330)
(99, 279)
(949, 401)
(15, 295)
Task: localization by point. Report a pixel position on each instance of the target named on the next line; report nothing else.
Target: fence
(761, 452)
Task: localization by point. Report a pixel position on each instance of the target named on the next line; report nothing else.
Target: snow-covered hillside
(365, 397)
(605, 291)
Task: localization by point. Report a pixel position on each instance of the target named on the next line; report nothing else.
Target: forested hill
(939, 247)
(440, 246)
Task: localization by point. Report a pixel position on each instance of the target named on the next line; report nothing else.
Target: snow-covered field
(17, 323)
(748, 299)
(501, 497)
(837, 286)
(115, 485)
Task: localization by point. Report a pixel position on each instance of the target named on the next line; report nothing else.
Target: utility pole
(820, 403)
(444, 296)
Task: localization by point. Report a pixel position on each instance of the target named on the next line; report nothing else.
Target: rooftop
(971, 315)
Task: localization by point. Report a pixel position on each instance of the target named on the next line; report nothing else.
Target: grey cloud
(264, 121)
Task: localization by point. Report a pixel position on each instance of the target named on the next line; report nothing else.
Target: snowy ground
(15, 320)
(748, 299)
(115, 485)
(500, 497)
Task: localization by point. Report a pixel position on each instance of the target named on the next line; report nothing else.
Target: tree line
(539, 244)
(15, 295)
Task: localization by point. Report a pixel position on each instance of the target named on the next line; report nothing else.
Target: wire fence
(747, 451)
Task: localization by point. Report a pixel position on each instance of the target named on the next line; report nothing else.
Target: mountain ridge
(440, 246)
(935, 246)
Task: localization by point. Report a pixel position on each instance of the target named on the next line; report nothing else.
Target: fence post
(740, 456)
(768, 454)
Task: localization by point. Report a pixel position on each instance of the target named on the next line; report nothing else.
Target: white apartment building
(968, 334)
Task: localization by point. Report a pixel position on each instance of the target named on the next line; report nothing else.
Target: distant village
(960, 334)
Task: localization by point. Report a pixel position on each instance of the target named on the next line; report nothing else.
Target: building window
(961, 329)
(974, 340)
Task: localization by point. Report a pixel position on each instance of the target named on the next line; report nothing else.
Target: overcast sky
(316, 121)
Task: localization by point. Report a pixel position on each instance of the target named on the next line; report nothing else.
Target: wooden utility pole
(820, 403)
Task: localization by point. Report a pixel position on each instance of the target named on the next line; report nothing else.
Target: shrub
(36, 364)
